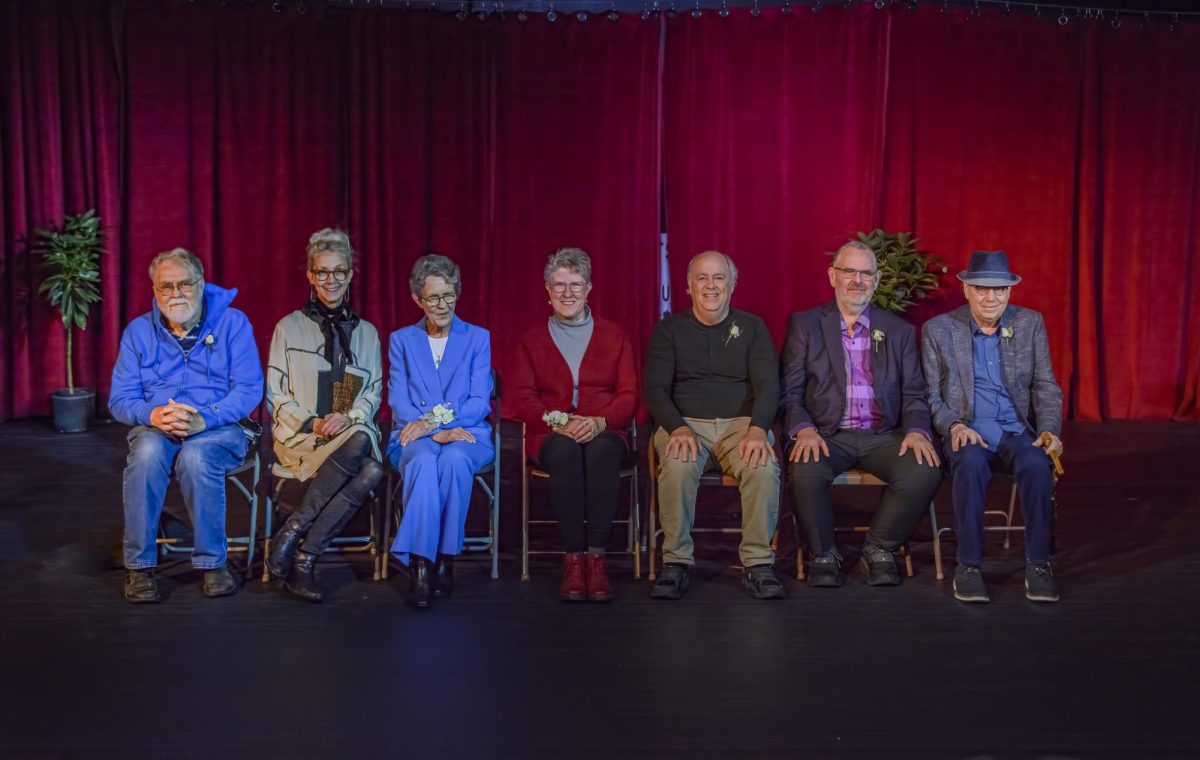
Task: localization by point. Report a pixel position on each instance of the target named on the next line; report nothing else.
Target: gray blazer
(1028, 373)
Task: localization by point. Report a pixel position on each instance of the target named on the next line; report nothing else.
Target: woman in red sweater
(575, 388)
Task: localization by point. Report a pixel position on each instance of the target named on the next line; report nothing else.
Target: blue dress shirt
(994, 410)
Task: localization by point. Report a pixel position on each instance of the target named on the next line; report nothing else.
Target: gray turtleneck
(572, 340)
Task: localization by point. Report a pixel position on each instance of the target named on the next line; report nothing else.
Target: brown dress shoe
(598, 587)
(574, 587)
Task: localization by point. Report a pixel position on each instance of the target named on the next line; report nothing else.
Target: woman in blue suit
(439, 389)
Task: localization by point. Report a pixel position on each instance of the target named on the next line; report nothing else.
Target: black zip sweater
(726, 370)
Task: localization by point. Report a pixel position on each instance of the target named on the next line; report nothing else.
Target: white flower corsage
(1006, 332)
(877, 337)
(734, 332)
(556, 418)
(357, 416)
(209, 340)
(441, 414)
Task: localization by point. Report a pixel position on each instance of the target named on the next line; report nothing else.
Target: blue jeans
(200, 462)
(971, 471)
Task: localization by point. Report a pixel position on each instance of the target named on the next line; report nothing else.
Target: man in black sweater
(712, 385)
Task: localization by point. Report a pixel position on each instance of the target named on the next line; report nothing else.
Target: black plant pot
(73, 409)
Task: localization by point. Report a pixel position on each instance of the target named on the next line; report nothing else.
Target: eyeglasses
(561, 287)
(998, 290)
(433, 301)
(185, 288)
(851, 273)
(324, 274)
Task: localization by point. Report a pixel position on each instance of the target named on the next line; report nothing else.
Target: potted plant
(908, 275)
(72, 255)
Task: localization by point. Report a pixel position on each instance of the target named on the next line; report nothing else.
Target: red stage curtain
(1076, 149)
(237, 132)
(59, 154)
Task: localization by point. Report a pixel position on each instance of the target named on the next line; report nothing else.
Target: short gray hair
(181, 255)
(733, 274)
(571, 259)
(330, 240)
(857, 245)
(434, 265)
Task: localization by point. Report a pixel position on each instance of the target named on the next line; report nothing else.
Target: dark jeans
(906, 498)
(339, 486)
(971, 471)
(585, 480)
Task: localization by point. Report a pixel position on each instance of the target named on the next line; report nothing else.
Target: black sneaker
(672, 583)
(879, 565)
(1039, 583)
(761, 583)
(220, 581)
(969, 585)
(141, 587)
(825, 571)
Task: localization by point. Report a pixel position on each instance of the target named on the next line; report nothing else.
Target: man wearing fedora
(992, 394)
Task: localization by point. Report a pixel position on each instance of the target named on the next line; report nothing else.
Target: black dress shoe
(141, 587)
(443, 575)
(283, 548)
(220, 581)
(420, 589)
(302, 580)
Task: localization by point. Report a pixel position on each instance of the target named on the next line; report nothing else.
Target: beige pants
(678, 482)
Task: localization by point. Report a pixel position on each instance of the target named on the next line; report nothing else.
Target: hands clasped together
(179, 420)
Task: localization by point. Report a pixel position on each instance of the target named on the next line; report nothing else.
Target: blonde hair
(331, 240)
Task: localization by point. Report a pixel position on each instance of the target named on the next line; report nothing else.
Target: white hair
(733, 273)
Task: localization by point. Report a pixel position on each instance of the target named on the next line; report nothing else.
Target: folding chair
(1008, 527)
(710, 477)
(488, 479)
(343, 544)
(854, 477)
(633, 521)
(251, 469)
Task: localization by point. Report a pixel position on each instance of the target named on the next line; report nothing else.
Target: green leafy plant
(71, 253)
(908, 274)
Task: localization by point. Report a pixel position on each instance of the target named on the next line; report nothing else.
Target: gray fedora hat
(989, 269)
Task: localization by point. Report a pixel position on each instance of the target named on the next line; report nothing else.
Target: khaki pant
(678, 482)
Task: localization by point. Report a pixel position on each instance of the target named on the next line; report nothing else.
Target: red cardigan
(541, 382)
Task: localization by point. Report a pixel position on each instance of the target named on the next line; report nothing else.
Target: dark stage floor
(505, 670)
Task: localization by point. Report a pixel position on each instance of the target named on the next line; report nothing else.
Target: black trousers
(910, 488)
(337, 489)
(585, 480)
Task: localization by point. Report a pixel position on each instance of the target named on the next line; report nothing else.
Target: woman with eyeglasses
(439, 389)
(575, 387)
(324, 385)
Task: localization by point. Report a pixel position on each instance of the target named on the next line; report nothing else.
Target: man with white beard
(188, 371)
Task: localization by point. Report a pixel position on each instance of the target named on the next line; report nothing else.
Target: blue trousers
(971, 471)
(437, 492)
(201, 463)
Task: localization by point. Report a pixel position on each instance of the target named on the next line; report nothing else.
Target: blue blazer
(464, 379)
(814, 372)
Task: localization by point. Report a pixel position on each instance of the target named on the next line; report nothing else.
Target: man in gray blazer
(993, 395)
(854, 396)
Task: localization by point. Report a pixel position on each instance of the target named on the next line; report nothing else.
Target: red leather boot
(598, 587)
(574, 586)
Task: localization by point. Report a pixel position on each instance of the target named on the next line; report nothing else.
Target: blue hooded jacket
(221, 377)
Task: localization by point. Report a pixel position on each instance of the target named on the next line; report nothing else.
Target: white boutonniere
(1006, 332)
(556, 418)
(441, 414)
(734, 332)
(877, 337)
(209, 341)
